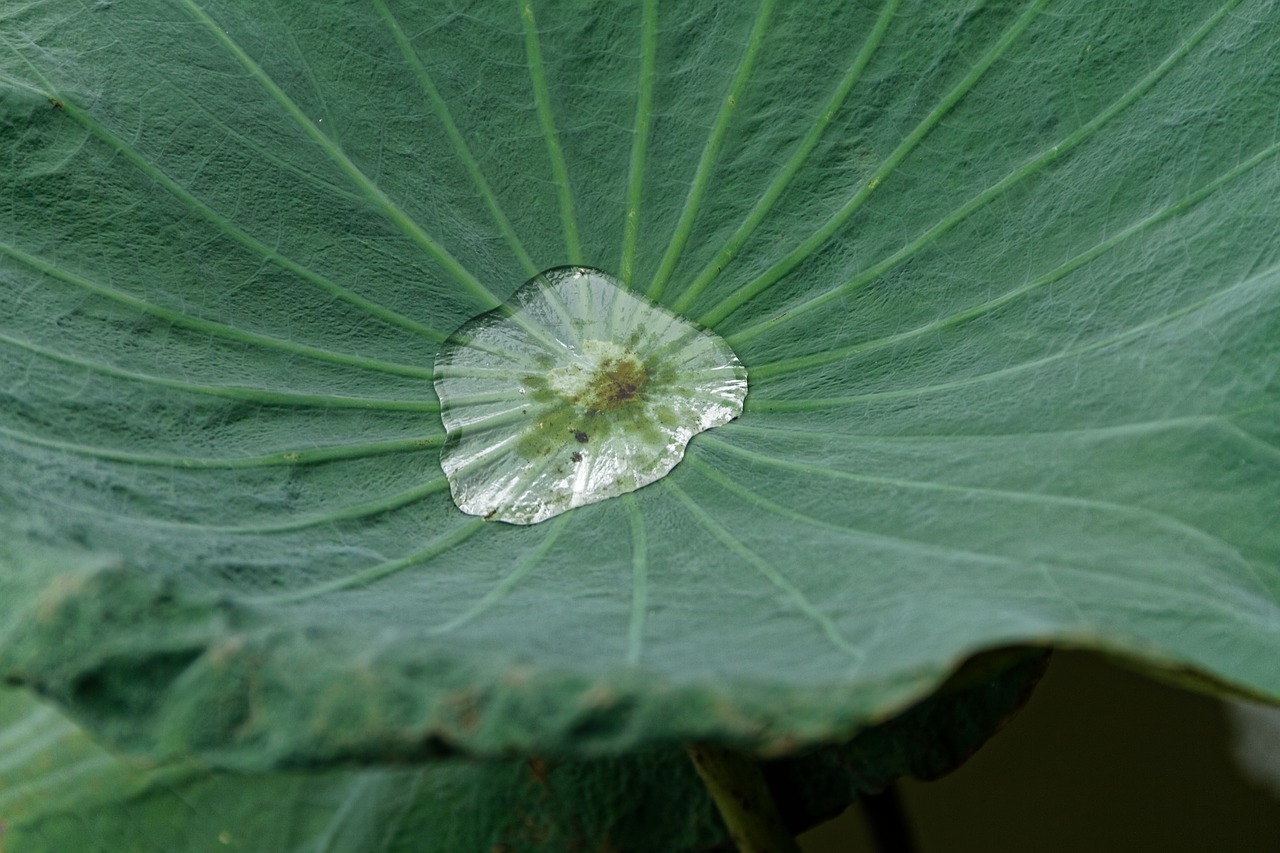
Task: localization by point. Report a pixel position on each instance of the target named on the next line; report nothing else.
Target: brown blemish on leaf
(580, 436)
(615, 383)
(575, 456)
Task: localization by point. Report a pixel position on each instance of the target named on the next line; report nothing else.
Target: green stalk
(744, 801)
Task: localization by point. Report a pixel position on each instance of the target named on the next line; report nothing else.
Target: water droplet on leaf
(574, 391)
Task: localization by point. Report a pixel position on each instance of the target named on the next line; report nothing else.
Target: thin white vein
(788, 172)
(526, 564)
(707, 162)
(366, 577)
(779, 270)
(406, 810)
(984, 308)
(640, 139)
(542, 101)
(916, 547)
(371, 190)
(301, 57)
(43, 732)
(92, 770)
(211, 327)
(232, 392)
(1132, 428)
(1010, 180)
(639, 580)
(351, 512)
(771, 574)
(455, 136)
(226, 226)
(568, 327)
(303, 456)
(353, 804)
(1155, 517)
(43, 724)
(810, 404)
(1254, 441)
(20, 84)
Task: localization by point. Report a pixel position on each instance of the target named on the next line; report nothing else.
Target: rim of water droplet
(574, 391)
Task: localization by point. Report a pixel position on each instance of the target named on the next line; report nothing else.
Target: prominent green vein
(365, 577)
(351, 512)
(806, 362)
(226, 226)
(707, 163)
(455, 136)
(919, 548)
(1155, 517)
(231, 392)
(1254, 441)
(639, 580)
(43, 725)
(368, 509)
(640, 139)
(306, 456)
(370, 189)
(798, 598)
(820, 403)
(542, 99)
(1133, 428)
(788, 172)
(212, 327)
(779, 270)
(353, 808)
(530, 560)
(303, 61)
(93, 768)
(37, 743)
(1030, 167)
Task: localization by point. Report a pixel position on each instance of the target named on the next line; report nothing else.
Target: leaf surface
(61, 791)
(1004, 279)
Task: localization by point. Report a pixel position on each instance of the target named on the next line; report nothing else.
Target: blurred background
(1100, 759)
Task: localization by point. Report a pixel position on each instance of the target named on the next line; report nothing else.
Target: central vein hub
(615, 383)
(575, 391)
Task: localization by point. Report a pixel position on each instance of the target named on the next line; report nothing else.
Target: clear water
(575, 391)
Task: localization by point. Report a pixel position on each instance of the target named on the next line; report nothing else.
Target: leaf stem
(887, 820)
(744, 801)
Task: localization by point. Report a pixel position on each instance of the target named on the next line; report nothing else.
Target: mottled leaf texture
(1004, 278)
(59, 791)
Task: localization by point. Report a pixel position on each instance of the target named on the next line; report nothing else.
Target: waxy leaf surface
(1005, 279)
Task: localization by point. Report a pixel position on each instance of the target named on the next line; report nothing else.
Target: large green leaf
(60, 791)
(1004, 278)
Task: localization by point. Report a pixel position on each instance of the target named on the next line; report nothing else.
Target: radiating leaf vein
(531, 560)
(371, 190)
(1028, 168)
(455, 136)
(542, 101)
(269, 397)
(212, 327)
(779, 270)
(787, 173)
(771, 574)
(710, 152)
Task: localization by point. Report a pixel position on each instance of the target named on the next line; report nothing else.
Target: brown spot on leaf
(581, 436)
(615, 383)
